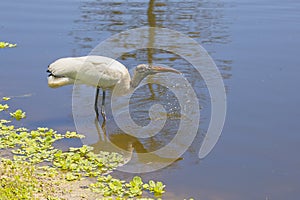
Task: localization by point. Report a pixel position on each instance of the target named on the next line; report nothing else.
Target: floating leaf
(5, 98)
(3, 107)
(156, 188)
(71, 177)
(36, 146)
(73, 135)
(6, 44)
(18, 114)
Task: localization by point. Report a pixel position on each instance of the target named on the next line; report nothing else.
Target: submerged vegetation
(32, 168)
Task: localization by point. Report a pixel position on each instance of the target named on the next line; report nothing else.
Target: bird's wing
(98, 71)
(105, 72)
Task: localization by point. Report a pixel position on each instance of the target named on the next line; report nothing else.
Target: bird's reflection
(150, 51)
(126, 145)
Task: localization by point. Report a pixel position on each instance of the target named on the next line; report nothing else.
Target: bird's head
(143, 70)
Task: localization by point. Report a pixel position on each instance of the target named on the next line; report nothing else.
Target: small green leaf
(3, 107)
(151, 183)
(71, 177)
(5, 98)
(6, 44)
(73, 135)
(18, 114)
(42, 129)
(146, 186)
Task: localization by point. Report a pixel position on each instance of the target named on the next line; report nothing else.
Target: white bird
(100, 72)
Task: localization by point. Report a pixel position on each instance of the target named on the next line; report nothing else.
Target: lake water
(255, 45)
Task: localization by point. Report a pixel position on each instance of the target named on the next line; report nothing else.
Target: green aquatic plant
(18, 114)
(6, 44)
(83, 161)
(33, 153)
(5, 98)
(109, 186)
(73, 134)
(156, 188)
(17, 180)
(3, 107)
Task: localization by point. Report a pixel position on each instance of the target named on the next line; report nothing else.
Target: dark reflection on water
(126, 145)
(202, 20)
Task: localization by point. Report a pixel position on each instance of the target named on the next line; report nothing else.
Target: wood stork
(100, 72)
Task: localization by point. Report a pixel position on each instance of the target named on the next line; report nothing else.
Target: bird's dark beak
(158, 69)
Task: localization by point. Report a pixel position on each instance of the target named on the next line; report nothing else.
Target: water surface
(255, 45)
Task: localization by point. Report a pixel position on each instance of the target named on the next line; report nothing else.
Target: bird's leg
(96, 103)
(103, 106)
(103, 126)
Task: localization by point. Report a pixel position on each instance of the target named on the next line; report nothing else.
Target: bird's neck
(136, 79)
(127, 85)
(124, 86)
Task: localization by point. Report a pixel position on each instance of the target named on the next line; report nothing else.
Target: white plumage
(97, 71)
(100, 72)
